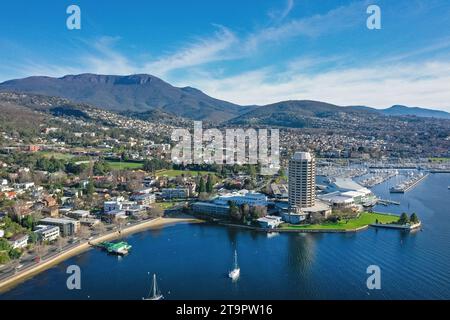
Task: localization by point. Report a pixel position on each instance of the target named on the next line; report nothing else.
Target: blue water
(192, 261)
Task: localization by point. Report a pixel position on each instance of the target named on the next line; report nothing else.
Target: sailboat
(155, 294)
(236, 272)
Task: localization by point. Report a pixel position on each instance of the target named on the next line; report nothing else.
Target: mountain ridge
(143, 93)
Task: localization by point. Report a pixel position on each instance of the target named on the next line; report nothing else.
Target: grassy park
(117, 165)
(363, 220)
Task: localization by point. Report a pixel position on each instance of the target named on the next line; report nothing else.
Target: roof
(298, 156)
(347, 184)
(318, 207)
(57, 220)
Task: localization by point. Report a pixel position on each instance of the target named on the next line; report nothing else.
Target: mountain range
(150, 96)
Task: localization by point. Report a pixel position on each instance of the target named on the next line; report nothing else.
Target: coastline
(285, 230)
(25, 274)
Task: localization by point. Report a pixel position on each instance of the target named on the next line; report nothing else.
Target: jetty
(385, 202)
(118, 248)
(407, 226)
(409, 184)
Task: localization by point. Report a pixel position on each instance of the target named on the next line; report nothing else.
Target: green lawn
(116, 165)
(175, 173)
(168, 204)
(56, 155)
(365, 219)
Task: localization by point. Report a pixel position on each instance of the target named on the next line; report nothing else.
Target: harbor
(192, 261)
(409, 184)
(378, 176)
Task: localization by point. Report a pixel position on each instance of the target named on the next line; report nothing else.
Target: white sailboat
(154, 294)
(236, 272)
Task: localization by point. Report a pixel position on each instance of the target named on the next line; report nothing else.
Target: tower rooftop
(298, 156)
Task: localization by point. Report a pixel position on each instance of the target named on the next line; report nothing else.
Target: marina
(378, 177)
(409, 184)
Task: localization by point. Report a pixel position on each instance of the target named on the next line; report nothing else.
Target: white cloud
(415, 84)
(279, 15)
(198, 53)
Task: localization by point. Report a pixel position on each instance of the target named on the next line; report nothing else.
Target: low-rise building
(114, 216)
(320, 210)
(243, 197)
(175, 193)
(51, 211)
(19, 241)
(270, 222)
(67, 226)
(144, 199)
(89, 222)
(210, 208)
(47, 233)
(2, 233)
(79, 214)
(109, 206)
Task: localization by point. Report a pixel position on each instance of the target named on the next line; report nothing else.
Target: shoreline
(299, 230)
(28, 273)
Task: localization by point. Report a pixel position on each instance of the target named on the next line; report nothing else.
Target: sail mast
(154, 285)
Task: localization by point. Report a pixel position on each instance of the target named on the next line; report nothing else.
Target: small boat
(236, 272)
(154, 294)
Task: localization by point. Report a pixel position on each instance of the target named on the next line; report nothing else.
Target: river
(192, 260)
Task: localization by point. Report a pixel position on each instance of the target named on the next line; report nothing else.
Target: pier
(388, 202)
(119, 248)
(408, 185)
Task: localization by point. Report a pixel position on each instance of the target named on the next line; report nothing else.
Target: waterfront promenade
(75, 249)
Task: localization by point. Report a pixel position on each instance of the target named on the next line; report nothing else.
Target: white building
(144, 199)
(109, 206)
(270, 222)
(243, 197)
(2, 233)
(19, 241)
(47, 233)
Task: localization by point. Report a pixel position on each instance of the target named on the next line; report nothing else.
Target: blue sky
(247, 51)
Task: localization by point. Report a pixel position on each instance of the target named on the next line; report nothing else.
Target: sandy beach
(23, 275)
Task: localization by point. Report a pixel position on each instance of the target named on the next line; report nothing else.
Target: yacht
(155, 294)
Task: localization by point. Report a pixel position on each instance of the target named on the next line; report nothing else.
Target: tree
(15, 254)
(235, 213)
(403, 219)
(32, 237)
(28, 222)
(259, 212)
(252, 171)
(202, 186)
(209, 184)
(90, 188)
(414, 218)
